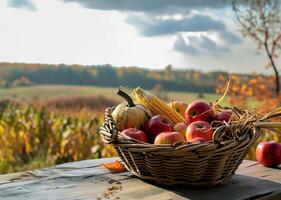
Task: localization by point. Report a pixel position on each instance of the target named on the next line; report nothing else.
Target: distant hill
(17, 74)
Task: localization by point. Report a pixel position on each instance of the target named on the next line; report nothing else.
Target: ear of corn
(157, 106)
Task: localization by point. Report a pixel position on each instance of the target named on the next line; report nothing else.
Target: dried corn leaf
(116, 166)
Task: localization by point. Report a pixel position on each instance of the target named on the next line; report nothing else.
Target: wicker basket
(208, 163)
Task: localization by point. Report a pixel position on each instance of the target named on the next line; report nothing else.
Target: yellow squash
(128, 114)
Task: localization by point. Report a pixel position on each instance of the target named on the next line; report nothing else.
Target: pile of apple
(201, 121)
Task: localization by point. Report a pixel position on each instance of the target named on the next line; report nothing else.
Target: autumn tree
(260, 20)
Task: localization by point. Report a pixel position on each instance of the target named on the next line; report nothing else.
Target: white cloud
(67, 33)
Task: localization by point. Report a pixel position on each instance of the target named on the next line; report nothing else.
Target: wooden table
(90, 180)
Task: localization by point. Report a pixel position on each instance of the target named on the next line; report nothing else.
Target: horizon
(145, 68)
(149, 35)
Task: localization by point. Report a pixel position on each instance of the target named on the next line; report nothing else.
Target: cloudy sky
(199, 34)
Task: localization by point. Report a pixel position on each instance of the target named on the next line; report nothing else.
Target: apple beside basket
(209, 163)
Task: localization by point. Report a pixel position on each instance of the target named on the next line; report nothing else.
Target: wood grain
(89, 180)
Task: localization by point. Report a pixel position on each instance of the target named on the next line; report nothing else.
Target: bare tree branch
(260, 20)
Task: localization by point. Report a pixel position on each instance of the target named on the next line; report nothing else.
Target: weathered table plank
(89, 180)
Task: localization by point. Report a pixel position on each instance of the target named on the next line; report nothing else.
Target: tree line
(109, 76)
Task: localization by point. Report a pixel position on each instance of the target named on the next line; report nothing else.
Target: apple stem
(125, 96)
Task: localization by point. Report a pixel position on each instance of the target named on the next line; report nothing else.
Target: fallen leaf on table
(116, 166)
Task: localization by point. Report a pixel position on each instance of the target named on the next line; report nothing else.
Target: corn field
(34, 137)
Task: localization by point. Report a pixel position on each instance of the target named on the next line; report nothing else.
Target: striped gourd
(157, 106)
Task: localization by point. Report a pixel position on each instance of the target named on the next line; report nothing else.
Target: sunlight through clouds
(152, 34)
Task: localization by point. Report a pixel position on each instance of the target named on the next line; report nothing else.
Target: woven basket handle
(109, 131)
(219, 133)
(233, 130)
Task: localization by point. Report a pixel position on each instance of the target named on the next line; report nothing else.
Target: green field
(51, 91)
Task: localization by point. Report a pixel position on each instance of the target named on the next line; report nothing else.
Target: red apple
(169, 138)
(269, 153)
(136, 134)
(199, 129)
(181, 128)
(222, 117)
(178, 106)
(199, 111)
(157, 124)
(197, 140)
